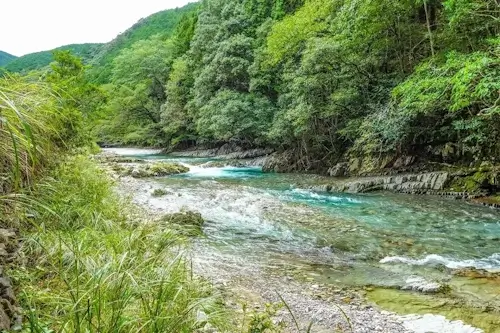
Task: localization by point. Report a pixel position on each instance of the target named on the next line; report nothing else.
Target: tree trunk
(429, 30)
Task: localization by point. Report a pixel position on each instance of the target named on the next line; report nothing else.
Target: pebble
(323, 304)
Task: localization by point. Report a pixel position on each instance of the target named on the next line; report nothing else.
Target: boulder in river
(187, 223)
(157, 169)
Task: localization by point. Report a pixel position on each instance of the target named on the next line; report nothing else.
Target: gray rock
(339, 170)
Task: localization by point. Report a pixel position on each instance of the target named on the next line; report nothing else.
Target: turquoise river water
(380, 240)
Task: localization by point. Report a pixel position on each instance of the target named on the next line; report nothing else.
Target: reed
(90, 270)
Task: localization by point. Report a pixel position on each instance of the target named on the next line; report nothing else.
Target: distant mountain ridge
(102, 55)
(38, 60)
(5, 58)
(161, 23)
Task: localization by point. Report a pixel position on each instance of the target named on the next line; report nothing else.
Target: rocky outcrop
(284, 162)
(227, 151)
(9, 312)
(416, 283)
(477, 273)
(409, 183)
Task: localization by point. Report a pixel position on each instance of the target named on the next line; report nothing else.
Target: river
(400, 248)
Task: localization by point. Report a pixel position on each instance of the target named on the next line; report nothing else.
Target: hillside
(357, 86)
(41, 59)
(162, 23)
(6, 58)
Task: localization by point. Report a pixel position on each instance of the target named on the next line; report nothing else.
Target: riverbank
(327, 307)
(309, 298)
(88, 260)
(474, 184)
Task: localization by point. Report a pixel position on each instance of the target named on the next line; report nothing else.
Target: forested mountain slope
(38, 60)
(325, 81)
(101, 55)
(162, 23)
(6, 58)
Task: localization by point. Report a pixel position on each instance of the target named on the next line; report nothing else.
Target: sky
(28, 26)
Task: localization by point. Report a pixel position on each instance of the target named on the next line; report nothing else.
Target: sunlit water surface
(270, 221)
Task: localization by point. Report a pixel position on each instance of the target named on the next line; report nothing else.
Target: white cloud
(35, 25)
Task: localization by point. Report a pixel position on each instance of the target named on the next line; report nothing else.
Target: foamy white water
(490, 263)
(430, 323)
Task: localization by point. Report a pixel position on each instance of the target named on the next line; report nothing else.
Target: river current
(273, 222)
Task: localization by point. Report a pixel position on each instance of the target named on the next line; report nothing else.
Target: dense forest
(5, 58)
(39, 60)
(322, 80)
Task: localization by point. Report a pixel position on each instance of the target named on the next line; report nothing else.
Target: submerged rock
(420, 284)
(472, 272)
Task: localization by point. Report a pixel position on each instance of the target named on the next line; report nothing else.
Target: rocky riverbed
(329, 305)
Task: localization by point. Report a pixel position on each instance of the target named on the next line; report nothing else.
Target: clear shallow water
(270, 222)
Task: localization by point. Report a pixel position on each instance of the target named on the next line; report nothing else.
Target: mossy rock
(187, 223)
(474, 182)
(408, 302)
(158, 169)
(114, 158)
(121, 169)
(159, 192)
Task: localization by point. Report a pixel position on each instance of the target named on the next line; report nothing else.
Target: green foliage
(33, 128)
(450, 100)
(40, 60)
(262, 321)
(237, 116)
(5, 58)
(290, 34)
(177, 123)
(163, 23)
(472, 22)
(137, 93)
(90, 271)
(323, 79)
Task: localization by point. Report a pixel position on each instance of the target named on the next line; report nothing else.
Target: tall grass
(86, 267)
(27, 128)
(89, 270)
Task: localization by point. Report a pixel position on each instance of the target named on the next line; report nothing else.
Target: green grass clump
(158, 169)
(185, 222)
(89, 270)
(33, 128)
(159, 192)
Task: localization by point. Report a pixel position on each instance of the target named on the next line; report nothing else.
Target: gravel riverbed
(329, 308)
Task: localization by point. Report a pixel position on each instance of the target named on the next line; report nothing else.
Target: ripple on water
(490, 263)
(383, 239)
